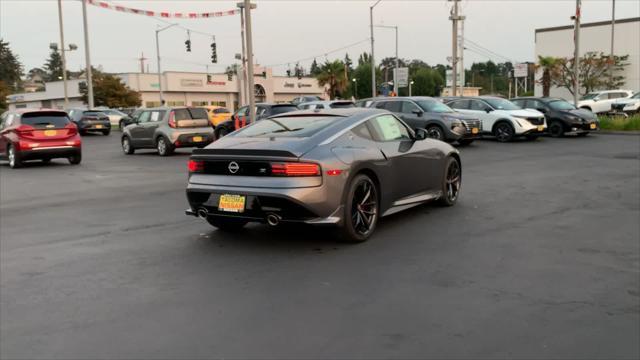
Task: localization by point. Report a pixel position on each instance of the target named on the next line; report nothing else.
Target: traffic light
(187, 43)
(214, 53)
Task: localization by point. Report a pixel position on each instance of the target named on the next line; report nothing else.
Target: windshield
(298, 126)
(561, 105)
(433, 106)
(502, 104)
(589, 96)
(636, 96)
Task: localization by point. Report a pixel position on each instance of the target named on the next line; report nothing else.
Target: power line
(320, 55)
(475, 44)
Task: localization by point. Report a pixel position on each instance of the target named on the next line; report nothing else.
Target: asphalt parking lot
(539, 259)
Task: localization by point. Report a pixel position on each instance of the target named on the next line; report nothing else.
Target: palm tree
(547, 64)
(333, 75)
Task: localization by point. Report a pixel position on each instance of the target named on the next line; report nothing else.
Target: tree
(10, 68)
(4, 92)
(593, 72)
(315, 69)
(333, 75)
(547, 64)
(364, 58)
(427, 82)
(53, 66)
(109, 91)
(36, 75)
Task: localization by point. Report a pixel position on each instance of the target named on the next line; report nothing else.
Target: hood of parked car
(581, 113)
(524, 113)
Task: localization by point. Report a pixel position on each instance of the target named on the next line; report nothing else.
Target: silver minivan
(167, 128)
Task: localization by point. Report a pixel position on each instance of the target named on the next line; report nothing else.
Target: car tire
(556, 129)
(164, 146)
(15, 160)
(221, 132)
(361, 210)
(106, 132)
(465, 142)
(127, 147)
(227, 224)
(75, 159)
(503, 131)
(583, 134)
(435, 132)
(451, 182)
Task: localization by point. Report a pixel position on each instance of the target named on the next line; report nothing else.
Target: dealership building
(181, 89)
(594, 37)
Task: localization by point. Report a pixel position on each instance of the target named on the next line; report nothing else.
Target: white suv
(629, 105)
(600, 101)
(502, 118)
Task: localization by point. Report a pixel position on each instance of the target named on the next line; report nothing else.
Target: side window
(621, 95)
(362, 131)
(381, 104)
(393, 106)
(243, 111)
(261, 111)
(460, 104)
(408, 107)
(156, 116)
(535, 104)
(144, 116)
(388, 128)
(520, 102)
(319, 106)
(477, 105)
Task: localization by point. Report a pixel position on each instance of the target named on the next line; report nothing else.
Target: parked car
(217, 114)
(42, 134)
(167, 128)
(440, 121)
(326, 104)
(114, 115)
(502, 118)
(129, 119)
(562, 117)
(343, 167)
(364, 102)
(303, 99)
(600, 101)
(242, 116)
(90, 120)
(628, 105)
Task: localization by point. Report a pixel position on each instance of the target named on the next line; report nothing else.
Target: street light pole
(87, 57)
(395, 72)
(243, 91)
(576, 54)
(373, 62)
(159, 67)
(454, 48)
(250, 86)
(611, 57)
(355, 83)
(410, 85)
(64, 61)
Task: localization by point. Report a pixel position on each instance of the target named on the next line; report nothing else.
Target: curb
(614, 132)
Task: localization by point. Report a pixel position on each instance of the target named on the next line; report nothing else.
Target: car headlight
(574, 118)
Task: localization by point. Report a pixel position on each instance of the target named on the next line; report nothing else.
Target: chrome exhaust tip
(202, 213)
(273, 219)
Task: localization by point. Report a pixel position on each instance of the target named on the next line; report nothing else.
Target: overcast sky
(286, 31)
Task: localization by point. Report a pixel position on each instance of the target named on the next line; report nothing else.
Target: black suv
(90, 120)
(440, 121)
(241, 117)
(562, 117)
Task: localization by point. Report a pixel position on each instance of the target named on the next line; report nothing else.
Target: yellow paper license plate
(540, 128)
(231, 203)
(50, 133)
(98, 126)
(474, 130)
(197, 138)
(593, 126)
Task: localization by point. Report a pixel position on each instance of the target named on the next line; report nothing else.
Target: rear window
(342, 105)
(282, 109)
(190, 113)
(94, 113)
(45, 119)
(221, 111)
(295, 126)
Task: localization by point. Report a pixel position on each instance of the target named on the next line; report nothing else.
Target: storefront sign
(220, 83)
(289, 85)
(301, 85)
(191, 82)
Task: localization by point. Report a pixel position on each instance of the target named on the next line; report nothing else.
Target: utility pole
(87, 56)
(250, 86)
(613, 26)
(576, 53)
(159, 68)
(461, 47)
(395, 78)
(64, 61)
(243, 92)
(454, 48)
(373, 62)
(142, 59)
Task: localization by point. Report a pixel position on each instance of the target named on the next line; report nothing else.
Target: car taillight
(196, 166)
(25, 130)
(172, 120)
(72, 129)
(295, 169)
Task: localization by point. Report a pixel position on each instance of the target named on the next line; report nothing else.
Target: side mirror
(488, 110)
(420, 134)
(418, 112)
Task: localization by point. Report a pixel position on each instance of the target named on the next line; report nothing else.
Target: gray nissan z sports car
(345, 167)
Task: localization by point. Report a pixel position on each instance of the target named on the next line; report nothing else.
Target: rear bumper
(94, 125)
(52, 152)
(188, 140)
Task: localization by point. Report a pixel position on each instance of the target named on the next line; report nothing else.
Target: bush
(620, 123)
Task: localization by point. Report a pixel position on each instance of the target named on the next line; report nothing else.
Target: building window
(219, 103)
(21, 106)
(175, 103)
(199, 103)
(150, 104)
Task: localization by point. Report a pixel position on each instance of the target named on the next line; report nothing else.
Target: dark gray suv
(440, 121)
(167, 128)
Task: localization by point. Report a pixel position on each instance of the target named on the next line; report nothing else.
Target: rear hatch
(189, 118)
(46, 125)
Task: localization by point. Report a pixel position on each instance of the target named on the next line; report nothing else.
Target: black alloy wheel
(361, 209)
(452, 183)
(556, 129)
(504, 132)
(435, 132)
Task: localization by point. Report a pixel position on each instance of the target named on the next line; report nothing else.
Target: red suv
(38, 134)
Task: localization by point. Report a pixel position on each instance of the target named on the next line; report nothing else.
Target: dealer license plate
(231, 203)
(50, 133)
(197, 138)
(593, 126)
(541, 128)
(474, 130)
(98, 126)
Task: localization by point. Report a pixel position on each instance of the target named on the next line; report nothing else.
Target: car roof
(326, 102)
(342, 112)
(30, 110)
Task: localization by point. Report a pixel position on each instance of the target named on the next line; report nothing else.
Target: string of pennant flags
(163, 14)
